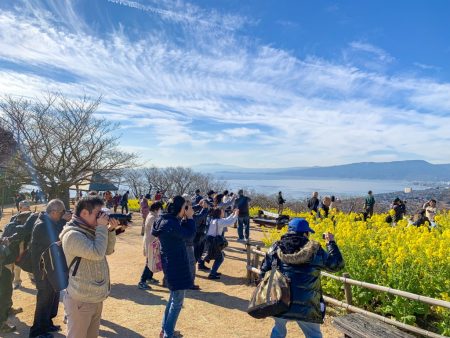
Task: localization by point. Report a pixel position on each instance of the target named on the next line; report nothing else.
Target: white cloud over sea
(194, 88)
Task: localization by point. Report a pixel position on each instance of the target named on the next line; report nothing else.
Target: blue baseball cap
(299, 225)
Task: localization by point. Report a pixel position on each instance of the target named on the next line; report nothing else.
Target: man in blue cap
(301, 260)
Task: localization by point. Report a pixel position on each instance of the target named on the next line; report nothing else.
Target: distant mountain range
(414, 170)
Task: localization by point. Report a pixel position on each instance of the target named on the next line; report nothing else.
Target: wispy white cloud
(189, 103)
(425, 67)
(242, 132)
(381, 54)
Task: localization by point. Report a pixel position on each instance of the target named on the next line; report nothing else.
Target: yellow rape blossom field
(405, 257)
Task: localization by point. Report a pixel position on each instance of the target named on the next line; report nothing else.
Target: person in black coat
(5, 287)
(173, 229)
(201, 226)
(313, 202)
(301, 260)
(45, 232)
(281, 202)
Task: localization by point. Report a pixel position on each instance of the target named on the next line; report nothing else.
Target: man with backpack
(5, 286)
(86, 240)
(18, 219)
(45, 232)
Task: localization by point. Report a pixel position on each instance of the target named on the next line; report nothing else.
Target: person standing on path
(242, 203)
(124, 202)
(143, 205)
(147, 274)
(45, 232)
(173, 229)
(86, 240)
(301, 260)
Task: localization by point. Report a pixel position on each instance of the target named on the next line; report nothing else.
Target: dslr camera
(123, 219)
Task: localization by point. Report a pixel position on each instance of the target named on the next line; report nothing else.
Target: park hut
(96, 182)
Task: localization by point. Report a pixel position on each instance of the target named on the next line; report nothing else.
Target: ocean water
(302, 188)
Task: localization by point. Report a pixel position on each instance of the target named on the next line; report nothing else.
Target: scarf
(80, 223)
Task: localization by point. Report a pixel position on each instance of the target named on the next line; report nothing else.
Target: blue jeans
(217, 263)
(244, 222)
(173, 309)
(310, 330)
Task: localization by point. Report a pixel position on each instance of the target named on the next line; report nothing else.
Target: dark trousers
(146, 274)
(199, 247)
(5, 293)
(47, 302)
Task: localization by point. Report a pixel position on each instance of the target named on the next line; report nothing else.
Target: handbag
(272, 297)
(220, 240)
(155, 265)
(215, 245)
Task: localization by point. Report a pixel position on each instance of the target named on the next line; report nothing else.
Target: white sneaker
(241, 240)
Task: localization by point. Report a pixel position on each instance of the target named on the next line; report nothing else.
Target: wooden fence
(254, 255)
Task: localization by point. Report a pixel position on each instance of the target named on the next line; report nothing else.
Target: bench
(356, 325)
(271, 219)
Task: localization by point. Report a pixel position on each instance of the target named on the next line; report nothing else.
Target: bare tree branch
(61, 141)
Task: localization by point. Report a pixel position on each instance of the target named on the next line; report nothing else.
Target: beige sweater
(91, 284)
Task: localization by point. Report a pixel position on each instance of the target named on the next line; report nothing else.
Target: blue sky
(249, 83)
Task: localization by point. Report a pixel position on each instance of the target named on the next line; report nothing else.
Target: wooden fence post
(256, 261)
(347, 290)
(248, 247)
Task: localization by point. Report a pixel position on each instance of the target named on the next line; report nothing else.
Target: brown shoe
(6, 328)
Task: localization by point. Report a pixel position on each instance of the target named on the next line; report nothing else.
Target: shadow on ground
(131, 292)
(220, 299)
(118, 331)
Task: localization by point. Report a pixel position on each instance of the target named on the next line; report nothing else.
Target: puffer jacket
(172, 233)
(301, 260)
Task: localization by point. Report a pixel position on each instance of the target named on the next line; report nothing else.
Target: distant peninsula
(412, 170)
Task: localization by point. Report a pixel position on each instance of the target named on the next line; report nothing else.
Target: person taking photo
(173, 229)
(88, 238)
(301, 260)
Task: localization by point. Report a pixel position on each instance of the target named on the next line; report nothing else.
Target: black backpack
(53, 264)
(24, 260)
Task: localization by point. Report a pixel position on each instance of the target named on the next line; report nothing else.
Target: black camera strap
(75, 261)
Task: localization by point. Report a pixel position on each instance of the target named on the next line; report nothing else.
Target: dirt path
(218, 310)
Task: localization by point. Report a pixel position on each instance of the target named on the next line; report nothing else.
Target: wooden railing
(254, 255)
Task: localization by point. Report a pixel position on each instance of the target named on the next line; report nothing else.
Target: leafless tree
(180, 180)
(61, 142)
(136, 181)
